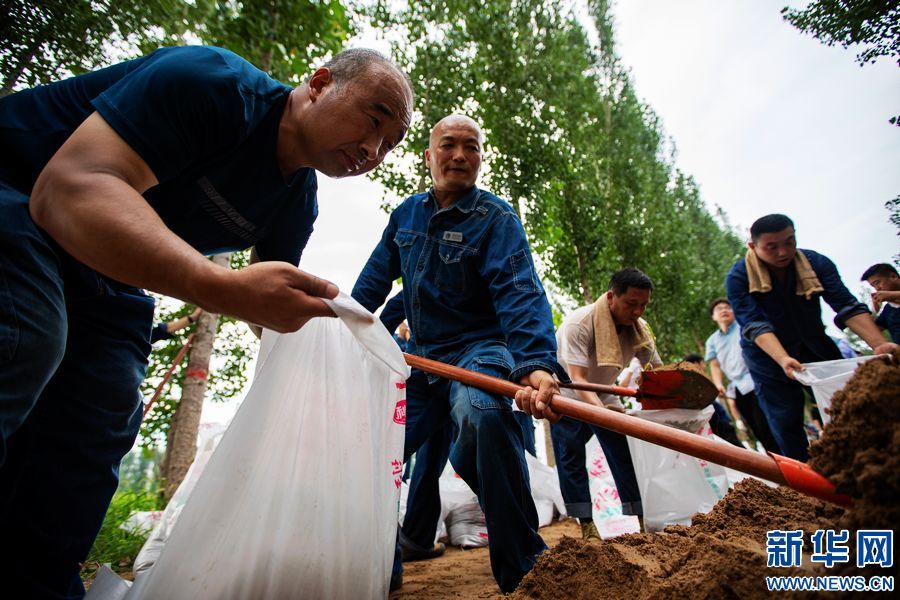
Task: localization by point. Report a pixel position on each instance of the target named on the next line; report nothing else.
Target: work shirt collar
(465, 204)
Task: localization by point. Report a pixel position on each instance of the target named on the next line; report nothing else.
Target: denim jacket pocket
(451, 268)
(405, 241)
(495, 366)
(523, 273)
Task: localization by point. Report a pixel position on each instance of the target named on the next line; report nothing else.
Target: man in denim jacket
(473, 300)
(775, 293)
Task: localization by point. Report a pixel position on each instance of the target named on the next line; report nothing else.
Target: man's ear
(428, 157)
(751, 245)
(609, 295)
(318, 82)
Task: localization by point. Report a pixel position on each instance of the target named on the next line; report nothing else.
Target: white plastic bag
(674, 485)
(828, 377)
(606, 506)
(544, 490)
(300, 498)
(465, 521)
(208, 438)
(466, 526)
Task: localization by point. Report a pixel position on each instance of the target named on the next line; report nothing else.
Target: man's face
(352, 126)
(776, 249)
(884, 283)
(454, 155)
(723, 315)
(628, 308)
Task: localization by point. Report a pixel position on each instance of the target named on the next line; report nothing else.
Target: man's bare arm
(768, 342)
(864, 326)
(88, 198)
(715, 370)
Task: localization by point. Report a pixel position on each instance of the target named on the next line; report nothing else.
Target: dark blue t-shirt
(890, 319)
(204, 120)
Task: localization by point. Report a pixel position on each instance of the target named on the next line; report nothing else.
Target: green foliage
(570, 145)
(50, 39)
(893, 207)
(139, 470)
(874, 24)
(115, 545)
(282, 37)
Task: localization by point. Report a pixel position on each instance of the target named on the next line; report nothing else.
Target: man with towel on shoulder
(595, 343)
(774, 291)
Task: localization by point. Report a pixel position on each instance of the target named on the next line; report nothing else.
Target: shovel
(775, 468)
(675, 388)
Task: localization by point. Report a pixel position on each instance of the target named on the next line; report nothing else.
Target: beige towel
(606, 340)
(760, 280)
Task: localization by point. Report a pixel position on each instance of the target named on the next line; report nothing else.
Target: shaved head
(454, 121)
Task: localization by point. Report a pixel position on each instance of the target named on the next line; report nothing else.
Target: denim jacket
(468, 277)
(796, 321)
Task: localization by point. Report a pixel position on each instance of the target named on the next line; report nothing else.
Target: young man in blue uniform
(774, 291)
(473, 299)
(883, 277)
(122, 179)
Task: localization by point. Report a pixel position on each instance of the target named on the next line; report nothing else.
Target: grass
(116, 546)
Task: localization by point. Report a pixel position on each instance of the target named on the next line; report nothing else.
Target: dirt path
(465, 573)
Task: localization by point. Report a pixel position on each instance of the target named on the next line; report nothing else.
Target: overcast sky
(764, 118)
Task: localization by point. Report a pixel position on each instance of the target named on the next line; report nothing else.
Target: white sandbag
(466, 526)
(828, 377)
(606, 506)
(545, 490)
(299, 500)
(465, 521)
(208, 437)
(674, 485)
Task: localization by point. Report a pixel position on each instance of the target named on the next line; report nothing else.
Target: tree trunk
(181, 444)
(582, 275)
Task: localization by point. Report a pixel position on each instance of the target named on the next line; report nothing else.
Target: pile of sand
(860, 452)
(723, 553)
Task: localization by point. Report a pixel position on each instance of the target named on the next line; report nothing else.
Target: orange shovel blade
(675, 388)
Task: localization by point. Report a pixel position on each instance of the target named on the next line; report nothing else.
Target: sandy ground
(466, 573)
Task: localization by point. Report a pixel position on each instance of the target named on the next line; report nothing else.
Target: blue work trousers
(569, 437)
(487, 452)
(423, 503)
(73, 352)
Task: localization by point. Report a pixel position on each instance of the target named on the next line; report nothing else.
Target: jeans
(73, 352)
(720, 423)
(487, 452)
(755, 419)
(569, 437)
(423, 504)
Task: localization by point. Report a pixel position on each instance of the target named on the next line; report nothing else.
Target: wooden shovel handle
(720, 453)
(600, 388)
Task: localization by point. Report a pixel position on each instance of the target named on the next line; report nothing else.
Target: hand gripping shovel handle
(775, 468)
